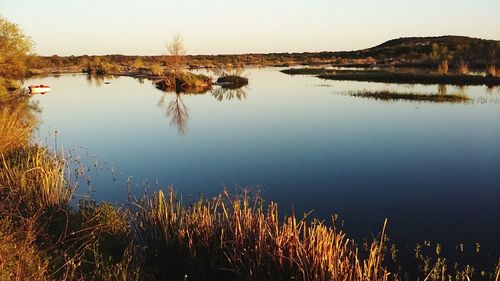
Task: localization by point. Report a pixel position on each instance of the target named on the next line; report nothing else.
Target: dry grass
(156, 69)
(16, 123)
(19, 257)
(222, 70)
(35, 178)
(237, 238)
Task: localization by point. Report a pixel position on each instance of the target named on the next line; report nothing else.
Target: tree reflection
(176, 111)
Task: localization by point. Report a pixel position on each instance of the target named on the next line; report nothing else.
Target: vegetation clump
(184, 82)
(176, 78)
(307, 71)
(100, 66)
(230, 76)
(388, 95)
(410, 78)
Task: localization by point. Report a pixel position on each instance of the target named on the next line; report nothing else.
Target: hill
(422, 50)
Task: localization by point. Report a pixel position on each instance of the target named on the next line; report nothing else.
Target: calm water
(432, 169)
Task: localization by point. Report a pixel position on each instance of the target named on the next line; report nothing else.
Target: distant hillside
(427, 49)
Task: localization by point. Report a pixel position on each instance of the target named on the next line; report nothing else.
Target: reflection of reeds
(442, 89)
(231, 238)
(221, 93)
(388, 95)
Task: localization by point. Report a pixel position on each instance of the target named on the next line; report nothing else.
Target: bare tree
(177, 59)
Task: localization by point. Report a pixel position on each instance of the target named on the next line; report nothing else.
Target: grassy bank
(411, 78)
(389, 95)
(395, 77)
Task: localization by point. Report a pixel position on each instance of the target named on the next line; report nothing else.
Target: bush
(443, 67)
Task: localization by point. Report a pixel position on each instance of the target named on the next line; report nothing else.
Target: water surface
(432, 169)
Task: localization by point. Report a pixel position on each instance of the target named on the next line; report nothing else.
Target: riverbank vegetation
(389, 95)
(411, 78)
(387, 76)
(420, 52)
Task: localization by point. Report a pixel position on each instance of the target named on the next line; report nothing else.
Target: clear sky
(142, 27)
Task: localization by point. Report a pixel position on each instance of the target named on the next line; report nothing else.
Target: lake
(432, 169)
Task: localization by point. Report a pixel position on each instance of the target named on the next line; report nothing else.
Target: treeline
(412, 51)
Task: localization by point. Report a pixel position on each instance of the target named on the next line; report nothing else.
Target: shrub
(463, 68)
(443, 67)
(491, 70)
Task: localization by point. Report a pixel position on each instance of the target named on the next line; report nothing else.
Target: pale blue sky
(71, 27)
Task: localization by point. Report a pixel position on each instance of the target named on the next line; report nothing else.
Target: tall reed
(16, 123)
(35, 177)
(236, 238)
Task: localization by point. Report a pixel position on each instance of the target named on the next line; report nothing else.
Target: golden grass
(36, 178)
(238, 235)
(16, 125)
(19, 257)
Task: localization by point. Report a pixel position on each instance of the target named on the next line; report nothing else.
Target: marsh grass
(237, 238)
(389, 95)
(411, 78)
(37, 176)
(17, 121)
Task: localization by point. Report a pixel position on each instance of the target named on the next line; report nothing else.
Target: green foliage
(14, 49)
